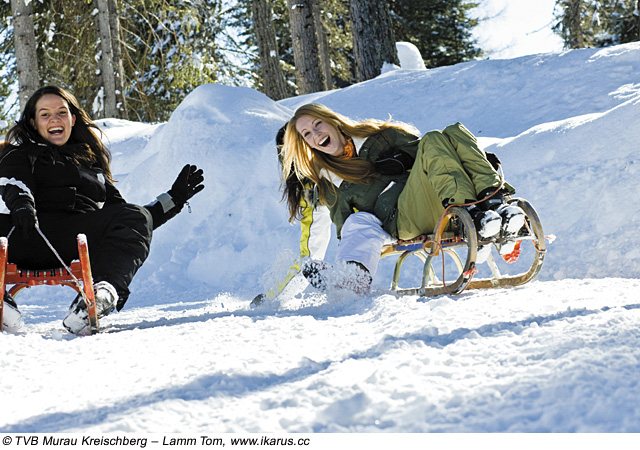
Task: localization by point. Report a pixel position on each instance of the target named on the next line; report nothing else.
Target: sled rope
(480, 200)
(438, 240)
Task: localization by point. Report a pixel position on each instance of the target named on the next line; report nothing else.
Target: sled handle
(4, 244)
(87, 283)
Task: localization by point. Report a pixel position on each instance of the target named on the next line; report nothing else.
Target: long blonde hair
(306, 162)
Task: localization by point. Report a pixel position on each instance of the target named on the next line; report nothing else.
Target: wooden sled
(455, 237)
(77, 276)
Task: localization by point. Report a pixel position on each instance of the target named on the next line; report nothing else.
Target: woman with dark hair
(382, 182)
(55, 178)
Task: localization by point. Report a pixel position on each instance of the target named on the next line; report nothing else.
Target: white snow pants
(362, 238)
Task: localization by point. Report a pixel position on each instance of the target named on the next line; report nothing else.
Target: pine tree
(323, 46)
(171, 49)
(440, 29)
(578, 21)
(116, 43)
(335, 15)
(171, 46)
(335, 19)
(597, 23)
(67, 48)
(242, 22)
(619, 20)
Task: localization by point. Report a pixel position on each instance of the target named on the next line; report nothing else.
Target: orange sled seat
(77, 276)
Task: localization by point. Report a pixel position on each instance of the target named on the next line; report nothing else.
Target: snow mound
(568, 144)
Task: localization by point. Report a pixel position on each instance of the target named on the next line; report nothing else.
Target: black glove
(188, 184)
(24, 219)
(393, 163)
(493, 159)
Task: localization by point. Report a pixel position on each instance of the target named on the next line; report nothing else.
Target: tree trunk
(373, 39)
(305, 46)
(107, 71)
(323, 47)
(118, 65)
(574, 18)
(275, 85)
(637, 13)
(26, 56)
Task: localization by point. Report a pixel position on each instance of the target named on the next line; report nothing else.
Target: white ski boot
(77, 318)
(11, 315)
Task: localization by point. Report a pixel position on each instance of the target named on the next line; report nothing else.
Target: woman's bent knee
(136, 217)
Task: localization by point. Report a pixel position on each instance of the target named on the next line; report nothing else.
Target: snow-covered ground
(188, 354)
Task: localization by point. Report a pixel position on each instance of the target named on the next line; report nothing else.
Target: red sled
(77, 276)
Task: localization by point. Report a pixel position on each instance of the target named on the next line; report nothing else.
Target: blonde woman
(381, 182)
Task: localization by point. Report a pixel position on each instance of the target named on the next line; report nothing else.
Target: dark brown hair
(88, 147)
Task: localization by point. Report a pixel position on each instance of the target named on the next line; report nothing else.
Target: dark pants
(118, 237)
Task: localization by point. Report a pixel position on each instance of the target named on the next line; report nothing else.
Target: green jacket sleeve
(405, 142)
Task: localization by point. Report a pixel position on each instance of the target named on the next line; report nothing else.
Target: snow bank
(565, 125)
(188, 355)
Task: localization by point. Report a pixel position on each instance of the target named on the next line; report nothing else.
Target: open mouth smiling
(325, 142)
(56, 130)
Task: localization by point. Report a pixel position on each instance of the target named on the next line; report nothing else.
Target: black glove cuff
(166, 200)
(395, 164)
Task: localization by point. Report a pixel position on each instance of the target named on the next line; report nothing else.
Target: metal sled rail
(463, 240)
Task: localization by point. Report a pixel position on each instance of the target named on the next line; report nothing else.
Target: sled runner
(455, 238)
(77, 276)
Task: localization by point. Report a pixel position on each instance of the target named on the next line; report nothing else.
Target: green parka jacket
(381, 196)
(458, 171)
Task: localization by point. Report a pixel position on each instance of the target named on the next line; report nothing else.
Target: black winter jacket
(48, 178)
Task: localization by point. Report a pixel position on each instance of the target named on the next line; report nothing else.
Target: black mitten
(393, 163)
(24, 219)
(188, 184)
(493, 159)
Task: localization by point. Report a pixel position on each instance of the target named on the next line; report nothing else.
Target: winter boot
(11, 316)
(487, 222)
(258, 300)
(511, 215)
(512, 218)
(77, 318)
(351, 276)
